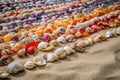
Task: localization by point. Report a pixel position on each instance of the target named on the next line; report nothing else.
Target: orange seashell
(7, 38)
(48, 30)
(40, 32)
(67, 32)
(33, 30)
(85, 34)
(77, 34)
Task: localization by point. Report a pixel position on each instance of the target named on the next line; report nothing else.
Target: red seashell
(31, 47)
(95, 30)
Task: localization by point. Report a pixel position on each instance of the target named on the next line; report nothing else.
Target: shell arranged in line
(50, 57)
(70, 38)
(4, 74)
(60, 53)
(21, 53)
(39, 62)
(42, 45)
(81, 43)
(49, 48)
(90, 40)
(109, 34)
(29, 65)
(54, 43)
(68, 50)
(15, 67)
(62, 39)
(77, 48)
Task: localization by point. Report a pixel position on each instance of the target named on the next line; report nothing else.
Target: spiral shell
(15, 67)
(50, 57)
(29, 65)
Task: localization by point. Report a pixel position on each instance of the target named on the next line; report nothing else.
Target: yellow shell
(48, 48)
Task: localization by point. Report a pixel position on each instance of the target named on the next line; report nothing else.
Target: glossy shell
(42, 45)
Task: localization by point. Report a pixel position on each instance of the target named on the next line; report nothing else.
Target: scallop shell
(50, 57)
(42, 45)
(61, 39)
(39, 62)
(15, 67)
(4, 74)
(109, 34)
(29, 65)
(21, 53)
(60, 53)
(70, 38)
(68, 50)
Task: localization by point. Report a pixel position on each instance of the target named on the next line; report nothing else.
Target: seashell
(47, 37)
(4, 74)
(60, 53)
(81, 43)
(87, 43)
(89, 30)
(4, 46)
(102, 37)
(54, 43)
(26, 40)
(77, 48)
(90, 40)
(15, 67)
(61, 39)
(96, 39)
(68, 50)
(21, 53)
(42, 45)
(48, 48)
(39, 62)
(29, 65)
(118, 31)
(77, 35)
(109, 34)
(50, 57)
(1, 40)
(61, 30)
(70, 38)
(6, 52)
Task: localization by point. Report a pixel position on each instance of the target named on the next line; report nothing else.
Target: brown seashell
(1, 40)
(77, 48)
(6, 52)
(21, 53)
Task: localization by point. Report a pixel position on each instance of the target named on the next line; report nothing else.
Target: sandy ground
(101, 61)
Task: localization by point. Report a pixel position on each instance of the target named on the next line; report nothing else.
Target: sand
(100, 61)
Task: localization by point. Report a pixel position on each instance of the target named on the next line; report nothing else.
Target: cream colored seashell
(50, 57)
(42, 45)
(87, 42)
(96, 39)
(29, 65)
(63, 55)
(15, 67)
(118, 31)
(81, 43)
(68, 50)
(70, 38)
(90, 41)
(59, 51)
(4, 74)
(39, 62)
(54, 43)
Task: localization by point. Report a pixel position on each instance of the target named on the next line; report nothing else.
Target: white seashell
(63, 55)
(70, 38)
(39, 62)
(68, 50)
(42, 45)
(118, 31)
(29, 65)
(59, 51)
(109, 34)
(50, 57)
(4, 74)
(89, 30)
(15, 67)
(96, 39)
(61, 39)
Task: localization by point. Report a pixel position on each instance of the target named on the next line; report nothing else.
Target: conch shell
(39, 62)
(50, 57)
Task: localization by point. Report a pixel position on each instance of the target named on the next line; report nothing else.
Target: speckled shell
(42, 45)
(68, 50)
(89, 30)
(4, 46)
(15, 67)
(29, 65)
(39, 62)
(50, 57)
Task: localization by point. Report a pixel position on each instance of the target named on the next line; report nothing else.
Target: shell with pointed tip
(39, 62)
(50, 57)
(68, 50)
(42, 45)
(15, 67)
(29, 65)
(4, 74)
(70, 38)
(61, 39)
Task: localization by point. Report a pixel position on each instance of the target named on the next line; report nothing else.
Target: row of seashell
(60, 53)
